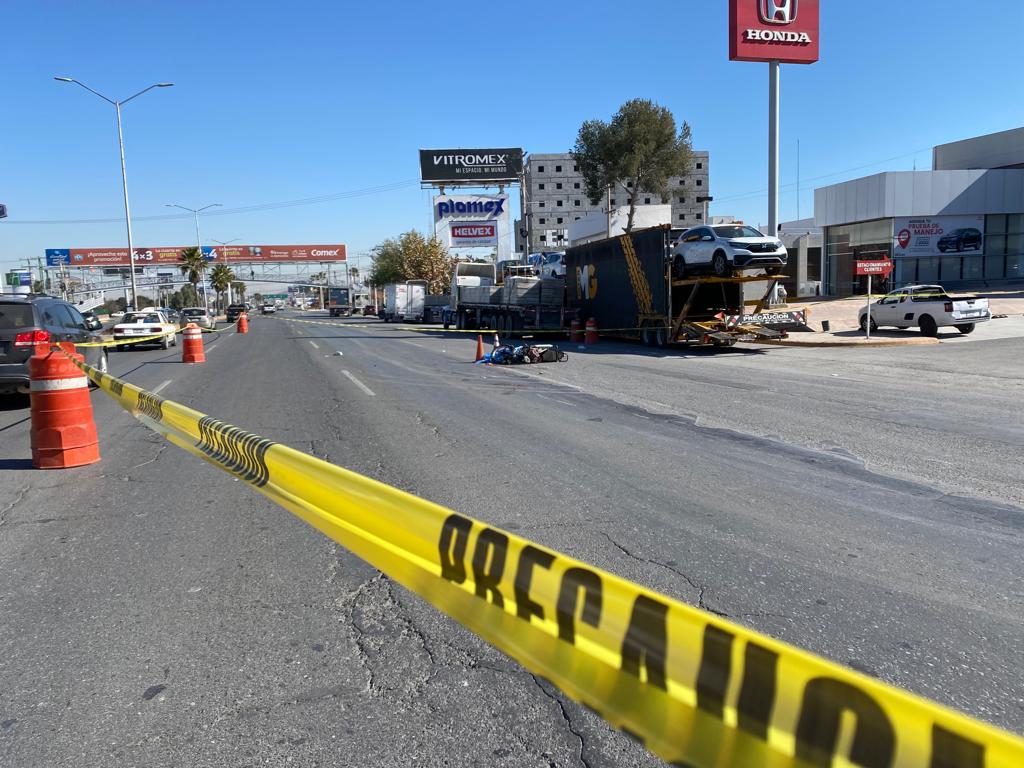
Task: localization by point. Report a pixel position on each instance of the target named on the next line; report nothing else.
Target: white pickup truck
(927, 307)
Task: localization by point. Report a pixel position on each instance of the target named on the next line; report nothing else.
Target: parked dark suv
(235, 311)
(964, 239)
(26, 321)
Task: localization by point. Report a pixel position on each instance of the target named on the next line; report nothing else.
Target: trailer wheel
(645, 335)
(660, 338)
(515, 326)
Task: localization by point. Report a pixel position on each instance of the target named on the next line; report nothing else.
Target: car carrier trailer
(625, 283)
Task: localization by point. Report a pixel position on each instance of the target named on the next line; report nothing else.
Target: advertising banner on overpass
(117, 257)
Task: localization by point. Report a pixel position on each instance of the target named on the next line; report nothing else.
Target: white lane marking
(639, 416)
(210, 349)
(314, 344)
(159, 387)
(359, 384)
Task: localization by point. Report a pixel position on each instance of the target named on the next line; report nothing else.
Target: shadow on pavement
(11, 464)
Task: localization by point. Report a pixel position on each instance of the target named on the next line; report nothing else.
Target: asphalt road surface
(863, 504)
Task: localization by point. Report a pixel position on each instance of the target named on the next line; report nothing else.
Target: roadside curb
(851, 344)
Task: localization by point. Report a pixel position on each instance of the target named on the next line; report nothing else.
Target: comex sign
(774, 30)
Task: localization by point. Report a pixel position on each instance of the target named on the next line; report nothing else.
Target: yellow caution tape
(139, 339)
(695, 688)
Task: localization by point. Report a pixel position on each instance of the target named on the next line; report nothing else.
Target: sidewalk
(842, 314)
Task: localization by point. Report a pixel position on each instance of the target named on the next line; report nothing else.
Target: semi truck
(520, 302)
(338, 302)
(626, 284)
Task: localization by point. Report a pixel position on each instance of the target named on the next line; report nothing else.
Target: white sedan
(144, 326)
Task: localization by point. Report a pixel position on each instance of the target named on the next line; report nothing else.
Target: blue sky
(286, 101)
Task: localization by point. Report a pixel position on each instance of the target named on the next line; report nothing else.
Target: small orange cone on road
(63, 433)
(192, 348)
(243, 323)
(479, 347)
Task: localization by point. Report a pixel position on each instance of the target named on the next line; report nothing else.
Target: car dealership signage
(463, 166)
(938, 235)
(114, 257)
(774, 30)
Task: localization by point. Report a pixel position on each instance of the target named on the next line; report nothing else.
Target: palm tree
(239, 289)
(193, 264)
(221, 277)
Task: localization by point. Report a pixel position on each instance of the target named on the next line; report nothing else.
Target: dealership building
(960, 224)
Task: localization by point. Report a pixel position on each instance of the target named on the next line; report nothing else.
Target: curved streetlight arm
(154, 85)
(79, 82)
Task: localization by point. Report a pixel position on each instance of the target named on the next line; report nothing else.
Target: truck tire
(965, 328)
(928, 326)
(645, 336)
(515, 326)
(720, 264)
(661, 338)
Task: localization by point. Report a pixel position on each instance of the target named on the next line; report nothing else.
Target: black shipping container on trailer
(625, 284)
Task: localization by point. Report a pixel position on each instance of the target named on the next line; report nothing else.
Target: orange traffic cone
(479, 347)
(192, 348)
(63, 433)
(243, 323)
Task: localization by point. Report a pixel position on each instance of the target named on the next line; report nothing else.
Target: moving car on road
(268, 309)
(144, 325)
(927, 307)
(199, 316)
(26, 321)
(967, 238)
(723, 248)
(235, 311)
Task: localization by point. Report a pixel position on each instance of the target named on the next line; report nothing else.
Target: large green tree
(637, 151)
(412, 256)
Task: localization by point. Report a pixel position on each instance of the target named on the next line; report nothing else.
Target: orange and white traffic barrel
(63, 433)
(192, 346)
(591, 334)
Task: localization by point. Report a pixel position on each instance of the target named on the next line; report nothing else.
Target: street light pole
(124, 172)
(199, 243)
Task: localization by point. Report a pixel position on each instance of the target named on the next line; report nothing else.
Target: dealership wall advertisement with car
(938, 235)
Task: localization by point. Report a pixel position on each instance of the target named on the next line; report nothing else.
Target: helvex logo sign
(774, 30)
(474, 233)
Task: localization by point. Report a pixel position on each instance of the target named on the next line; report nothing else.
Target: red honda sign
(774, 30)
(878, 267)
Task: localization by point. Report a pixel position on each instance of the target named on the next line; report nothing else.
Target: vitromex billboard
(774, 30)
(470, 165)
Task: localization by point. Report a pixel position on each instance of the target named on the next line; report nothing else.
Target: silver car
(723, 248)
(199, 316)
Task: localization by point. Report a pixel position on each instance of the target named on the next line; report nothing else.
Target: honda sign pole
(773, 148)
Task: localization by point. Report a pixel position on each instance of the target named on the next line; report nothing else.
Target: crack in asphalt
(19, 495)
(159, 452)
(565, 718)
(701, 588)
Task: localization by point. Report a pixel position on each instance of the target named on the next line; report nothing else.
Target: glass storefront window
(949, 268)
(972, 268)
(928, 270)
(994, 266)
(848, 243)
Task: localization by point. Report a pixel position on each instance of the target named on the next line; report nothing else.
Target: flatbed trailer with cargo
(626, 284)
(520, 303)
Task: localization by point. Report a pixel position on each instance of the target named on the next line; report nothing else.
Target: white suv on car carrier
(722, 248)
